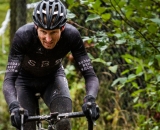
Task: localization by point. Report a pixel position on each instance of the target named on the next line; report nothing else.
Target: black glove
(15, 114)
(90, 108)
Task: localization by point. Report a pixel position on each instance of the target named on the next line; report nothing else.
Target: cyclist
(35, 65)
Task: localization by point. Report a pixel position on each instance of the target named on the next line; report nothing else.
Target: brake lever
(89, 105)
(21, 111)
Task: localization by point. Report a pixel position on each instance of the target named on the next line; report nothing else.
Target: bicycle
(53, 118)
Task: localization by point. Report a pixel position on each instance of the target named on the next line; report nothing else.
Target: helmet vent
(50, 14)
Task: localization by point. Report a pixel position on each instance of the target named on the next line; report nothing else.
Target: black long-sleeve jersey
(28, 54)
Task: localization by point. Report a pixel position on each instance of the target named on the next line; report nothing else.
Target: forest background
(122, 40)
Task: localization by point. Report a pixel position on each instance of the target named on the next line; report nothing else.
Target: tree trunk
(18, 16)
(21, 13)
(13, 19)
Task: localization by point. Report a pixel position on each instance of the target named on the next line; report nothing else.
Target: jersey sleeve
(12, 69)
(84, 63)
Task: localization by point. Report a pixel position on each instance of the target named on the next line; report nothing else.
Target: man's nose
(48, 38)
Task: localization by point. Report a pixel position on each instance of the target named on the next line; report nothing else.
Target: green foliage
(135, 25)
(4, 43)
(3, 7)
(129, 95)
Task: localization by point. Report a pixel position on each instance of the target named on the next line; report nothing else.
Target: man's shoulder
(26, 28)
(26, 33)
(70, 27)
(71, 30)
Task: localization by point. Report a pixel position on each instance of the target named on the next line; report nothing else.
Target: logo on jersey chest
(43, 63)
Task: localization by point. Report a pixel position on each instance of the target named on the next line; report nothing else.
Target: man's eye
(44, 32)
(54, 33)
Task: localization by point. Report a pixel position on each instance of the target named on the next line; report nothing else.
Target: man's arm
(91, 80)
(14, 61)
(84, 63)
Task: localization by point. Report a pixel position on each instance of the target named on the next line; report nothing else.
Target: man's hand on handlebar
(16, 115)
(90, 108)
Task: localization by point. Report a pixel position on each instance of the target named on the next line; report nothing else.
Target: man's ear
(35, 26)
(62, 28)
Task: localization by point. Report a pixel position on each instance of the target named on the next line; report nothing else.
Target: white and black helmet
(50, 14)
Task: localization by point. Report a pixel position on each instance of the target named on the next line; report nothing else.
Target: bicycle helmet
(50, 14)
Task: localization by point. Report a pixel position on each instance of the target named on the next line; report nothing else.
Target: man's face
(49, 38)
